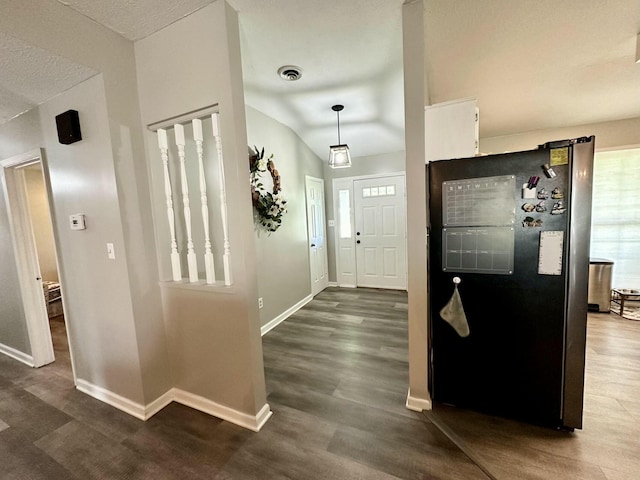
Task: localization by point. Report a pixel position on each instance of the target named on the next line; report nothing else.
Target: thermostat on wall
(76, 221)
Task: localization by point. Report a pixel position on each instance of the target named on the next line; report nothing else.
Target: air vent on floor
(290, 73)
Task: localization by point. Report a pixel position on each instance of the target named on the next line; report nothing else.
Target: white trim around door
(26, 256)
(346, 234)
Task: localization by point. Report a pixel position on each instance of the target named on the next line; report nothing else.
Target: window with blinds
(615, 221)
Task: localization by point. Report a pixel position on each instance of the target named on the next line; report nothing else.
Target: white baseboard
(144, 412)
(263, 415)
(332, 284)
(252, 422)
(17, 355)
(383, 287)
(417, 404)
(121, 403)
(158, 404)
(267, 327)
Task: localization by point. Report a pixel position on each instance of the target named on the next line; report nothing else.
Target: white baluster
(191, 254)
(208, 256)
(226, 258)
(175, 255)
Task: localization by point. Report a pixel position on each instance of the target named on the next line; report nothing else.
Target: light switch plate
(332, 223)
(111, 253)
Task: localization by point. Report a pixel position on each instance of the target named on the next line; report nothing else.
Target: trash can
(599, 293)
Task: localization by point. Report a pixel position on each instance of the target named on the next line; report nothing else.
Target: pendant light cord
(338, 109)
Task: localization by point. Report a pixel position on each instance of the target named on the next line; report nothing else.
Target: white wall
(213, 332)
(369, 165)
(615, 134)
(284, 277)
(416, 96)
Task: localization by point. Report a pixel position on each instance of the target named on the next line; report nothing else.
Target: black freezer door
(524, 356)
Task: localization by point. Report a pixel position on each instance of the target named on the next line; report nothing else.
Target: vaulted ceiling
(531, 65)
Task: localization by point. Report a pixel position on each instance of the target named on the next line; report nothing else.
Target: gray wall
(210, 343)
(114, 308)
(90, 283)
(13, 329)
(213, 332)
(97, 293)
(16, 137)
(283, 256)
(375, 164)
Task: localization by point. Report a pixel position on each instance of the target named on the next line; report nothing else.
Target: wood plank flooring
(608, 446)
(337, 379)
(341, 363)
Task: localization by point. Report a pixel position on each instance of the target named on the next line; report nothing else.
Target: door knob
(357, 233)
(313, 244)
(357, 241)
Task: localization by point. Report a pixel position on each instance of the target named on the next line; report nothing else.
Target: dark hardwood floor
(608, 446)
(337, 382)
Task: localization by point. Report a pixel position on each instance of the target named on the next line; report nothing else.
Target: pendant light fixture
(339, 156)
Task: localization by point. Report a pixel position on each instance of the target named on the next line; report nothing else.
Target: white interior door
(380, 224)
(318, 263)
(27, 257)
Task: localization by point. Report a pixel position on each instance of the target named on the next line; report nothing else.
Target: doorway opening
(28, 197)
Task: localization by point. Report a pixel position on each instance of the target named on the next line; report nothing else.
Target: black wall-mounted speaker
(68, 124)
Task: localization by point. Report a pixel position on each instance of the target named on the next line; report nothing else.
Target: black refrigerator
(508, 277)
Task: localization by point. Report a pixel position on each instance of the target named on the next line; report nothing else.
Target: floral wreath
(270, 205)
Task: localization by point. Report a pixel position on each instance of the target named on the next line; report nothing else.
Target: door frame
(324, 222)
(346, 183)
(26, 256)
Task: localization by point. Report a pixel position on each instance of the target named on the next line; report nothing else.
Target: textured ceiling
(531, 65)
(30, 76)
(135, 19)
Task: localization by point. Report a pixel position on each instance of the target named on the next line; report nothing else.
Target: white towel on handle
(453, 313)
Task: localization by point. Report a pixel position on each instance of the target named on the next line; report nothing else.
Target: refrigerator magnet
(558, 208)
(557, 194)
(527, 191)
(548, 171)
(542, 194)
(530, 222)
(528, 207)
(559, 156)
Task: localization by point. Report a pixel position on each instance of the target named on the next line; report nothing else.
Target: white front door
(380, 224)
(317, 236)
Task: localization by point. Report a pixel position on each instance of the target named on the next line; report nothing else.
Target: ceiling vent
(291, 73)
